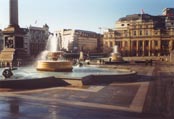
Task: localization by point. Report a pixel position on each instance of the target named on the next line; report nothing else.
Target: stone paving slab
(114, 97)
(64, 103)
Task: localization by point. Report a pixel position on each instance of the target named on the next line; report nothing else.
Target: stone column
(153, 47)
(13, 12)
(143, 48)
(129, 47)
(137, 48)
(149, 52)
(170, 45)
(159, 47)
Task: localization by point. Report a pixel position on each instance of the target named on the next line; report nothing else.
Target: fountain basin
(93, 75)
(60, 66)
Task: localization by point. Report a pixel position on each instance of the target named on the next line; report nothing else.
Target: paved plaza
(111, 101)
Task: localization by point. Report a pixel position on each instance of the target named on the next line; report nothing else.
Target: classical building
(143, 34)
(79, 40)
(37, 39)
(1, 40)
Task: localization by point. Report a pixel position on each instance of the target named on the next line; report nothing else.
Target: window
(111, 44)
(156, 32)
(134, 33)
(125, 33)
(147, 32)
(156, 43)
(125, 44)
(146, 43)
(140, 43)
(140, 32)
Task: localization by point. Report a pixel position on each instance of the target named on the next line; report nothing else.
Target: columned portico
(143, 48)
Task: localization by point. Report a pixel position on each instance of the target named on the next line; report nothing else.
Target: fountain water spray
(116, 56)
(54, 43)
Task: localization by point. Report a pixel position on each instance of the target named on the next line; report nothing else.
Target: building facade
(1, 40)
(34, 40)
(79, 40)
(143, 34)
(37, 39)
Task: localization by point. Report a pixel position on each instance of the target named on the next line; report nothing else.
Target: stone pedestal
(13, 35)
(6, 56)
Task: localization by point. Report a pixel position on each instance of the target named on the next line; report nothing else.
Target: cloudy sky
(79, 14)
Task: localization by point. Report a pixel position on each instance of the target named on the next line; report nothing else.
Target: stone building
(34, 40)
(79, 40)
(143, 34)
(37, 39)
(1, 40)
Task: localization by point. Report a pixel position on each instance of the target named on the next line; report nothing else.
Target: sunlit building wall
(79, 40)
(1, 40)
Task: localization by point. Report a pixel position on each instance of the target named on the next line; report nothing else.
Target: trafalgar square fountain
(51, 58)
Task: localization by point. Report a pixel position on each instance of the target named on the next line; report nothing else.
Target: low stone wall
(32, 83)
(106, 79)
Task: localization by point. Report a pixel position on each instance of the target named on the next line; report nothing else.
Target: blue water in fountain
(77, 73)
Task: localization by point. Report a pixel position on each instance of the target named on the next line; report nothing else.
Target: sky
(79, 14)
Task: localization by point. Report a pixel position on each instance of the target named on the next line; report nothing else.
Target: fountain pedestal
(116, 57)
(60, 66)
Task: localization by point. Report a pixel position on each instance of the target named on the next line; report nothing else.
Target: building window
(140, 32)
(134, 33)
(134, 44)
(125, 44)
(147, 32)
(111, 44)
(156, 32)
(125, 33)
(146, 43)
(140, 43)
(156, 43)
